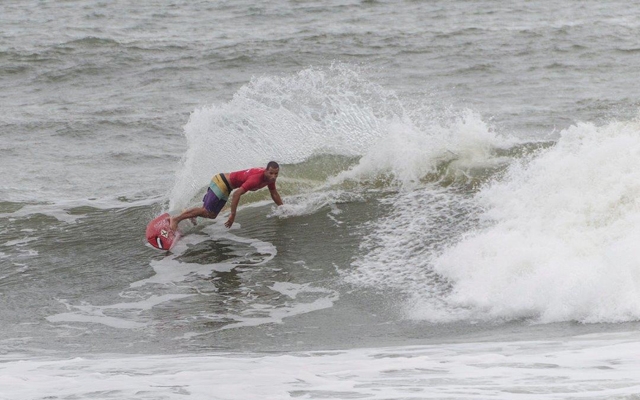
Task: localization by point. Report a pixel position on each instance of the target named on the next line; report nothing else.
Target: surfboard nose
(159, 233)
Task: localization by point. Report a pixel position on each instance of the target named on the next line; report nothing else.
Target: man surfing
(223, 184)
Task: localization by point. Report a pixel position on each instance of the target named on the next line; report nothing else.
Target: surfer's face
(271, 174)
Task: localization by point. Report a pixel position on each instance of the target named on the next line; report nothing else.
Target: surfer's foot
(194, 220)
(173, 224)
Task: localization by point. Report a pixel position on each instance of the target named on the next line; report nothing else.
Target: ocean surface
(461, 183)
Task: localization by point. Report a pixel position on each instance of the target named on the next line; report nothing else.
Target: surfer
(223, 184)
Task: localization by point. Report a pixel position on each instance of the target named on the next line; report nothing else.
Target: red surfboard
(160, 235)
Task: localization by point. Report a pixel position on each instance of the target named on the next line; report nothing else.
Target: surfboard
(160, 235)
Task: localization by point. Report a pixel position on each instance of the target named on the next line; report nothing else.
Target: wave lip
(288, 119)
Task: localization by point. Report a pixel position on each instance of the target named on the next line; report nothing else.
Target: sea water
(460, 183)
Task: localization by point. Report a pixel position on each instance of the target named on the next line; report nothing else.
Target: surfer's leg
(211, 206)
(191, 213)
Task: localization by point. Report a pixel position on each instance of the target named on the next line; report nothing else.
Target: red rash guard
(250, 179)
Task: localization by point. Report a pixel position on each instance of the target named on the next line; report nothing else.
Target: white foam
(397, 255)
(266, 314)
(261, 314)
(597, 366)
(292, 290)
(20, 242)
(560, 241)
(564, 234)
(311, 202)
(60, 209)
(407, 152)
(288, 119)
(87, 313)
(20, 246)
(171, 270)
(44, 209)
(113, 322)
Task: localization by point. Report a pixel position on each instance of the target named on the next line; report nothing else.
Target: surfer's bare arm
(275, 196)
(234, 206)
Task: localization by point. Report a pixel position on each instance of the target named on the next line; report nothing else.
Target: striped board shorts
(217, 194)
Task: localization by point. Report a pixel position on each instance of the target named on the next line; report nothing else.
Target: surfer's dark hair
(273, 165)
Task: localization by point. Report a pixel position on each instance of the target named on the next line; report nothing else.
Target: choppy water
(460, 184)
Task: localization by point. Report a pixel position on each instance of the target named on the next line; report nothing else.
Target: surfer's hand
(230, 221)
